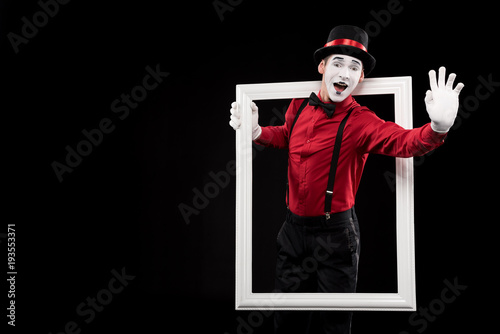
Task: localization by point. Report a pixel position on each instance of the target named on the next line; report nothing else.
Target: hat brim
(367, 59)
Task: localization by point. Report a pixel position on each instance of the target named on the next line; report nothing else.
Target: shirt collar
(344, 104)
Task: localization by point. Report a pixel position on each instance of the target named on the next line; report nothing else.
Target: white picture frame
(245, 299)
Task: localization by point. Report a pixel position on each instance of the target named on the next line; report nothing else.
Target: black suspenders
(335, 157)
(333, 166)
(302, 106)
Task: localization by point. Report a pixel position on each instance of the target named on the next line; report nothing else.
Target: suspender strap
(302, 106)
(333, 166)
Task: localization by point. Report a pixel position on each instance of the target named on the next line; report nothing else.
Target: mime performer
(328, 137)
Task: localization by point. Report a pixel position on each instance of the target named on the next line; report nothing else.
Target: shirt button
(308, 141)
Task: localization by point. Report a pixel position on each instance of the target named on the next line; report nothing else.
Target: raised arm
(388, 138)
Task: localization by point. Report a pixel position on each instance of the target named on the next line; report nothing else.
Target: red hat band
(346, 41)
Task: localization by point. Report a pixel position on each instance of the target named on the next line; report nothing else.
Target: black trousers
(317, 255)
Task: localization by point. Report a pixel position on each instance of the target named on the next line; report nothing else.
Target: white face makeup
(342, 75)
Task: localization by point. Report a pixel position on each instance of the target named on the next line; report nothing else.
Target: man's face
(341, 74)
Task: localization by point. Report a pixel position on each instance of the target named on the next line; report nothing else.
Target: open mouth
(340, 86)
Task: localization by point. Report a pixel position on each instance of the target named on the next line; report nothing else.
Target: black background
(119, 208)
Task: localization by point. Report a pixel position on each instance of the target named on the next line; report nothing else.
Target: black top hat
(350, 41)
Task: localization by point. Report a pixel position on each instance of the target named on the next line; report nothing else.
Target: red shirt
(311, 146)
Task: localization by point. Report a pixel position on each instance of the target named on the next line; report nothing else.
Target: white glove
(235, 121)
(442, 100)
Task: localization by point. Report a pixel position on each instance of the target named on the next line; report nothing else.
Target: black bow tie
(329, 108)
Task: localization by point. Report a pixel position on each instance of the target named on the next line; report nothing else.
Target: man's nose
(344, 74)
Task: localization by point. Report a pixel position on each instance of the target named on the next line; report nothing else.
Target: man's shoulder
(360, 111)
(296, 103)
(294, 106)
(362, 116)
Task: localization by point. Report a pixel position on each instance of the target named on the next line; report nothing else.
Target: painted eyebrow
(357, 62)
(338, 58)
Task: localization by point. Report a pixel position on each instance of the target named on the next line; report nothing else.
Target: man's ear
(362, 77)
(321, 67)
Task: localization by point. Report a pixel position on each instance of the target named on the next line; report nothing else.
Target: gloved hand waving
(442, 100)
